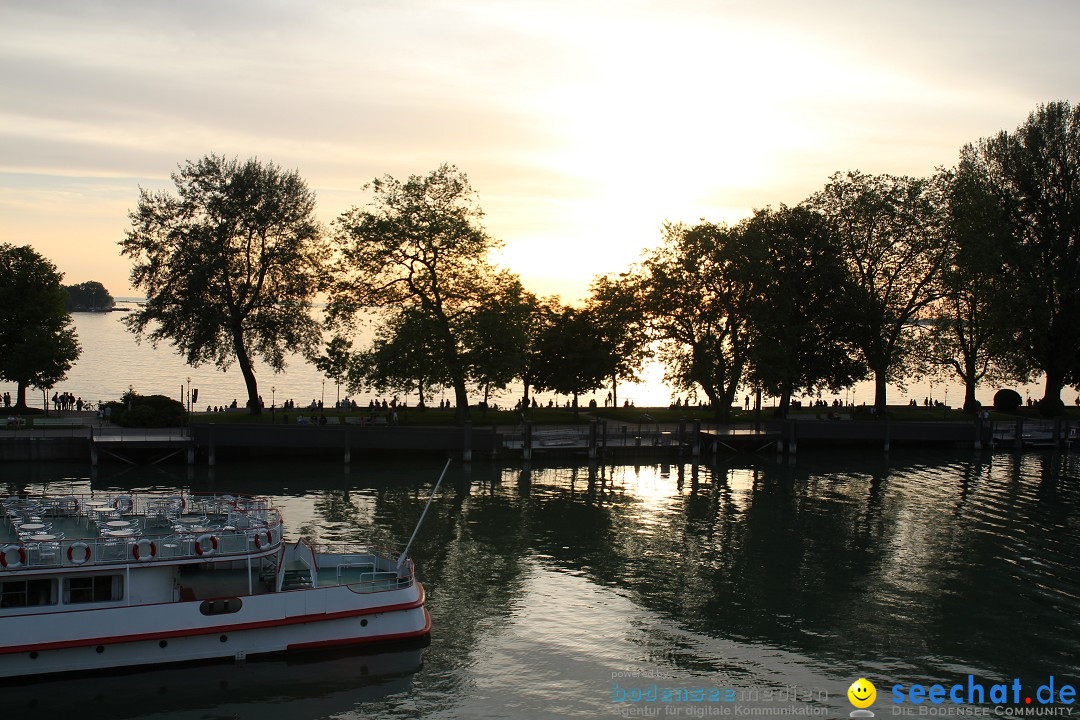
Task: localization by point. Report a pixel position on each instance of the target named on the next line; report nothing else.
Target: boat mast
(405, 552)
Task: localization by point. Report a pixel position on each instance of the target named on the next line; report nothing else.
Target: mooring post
(348, 447)
(682, 435)
(212, 449)
(978, 430)
(793, 442)
(888, 433)
(592, 440)
(1057, 432)
(526, 442)
(191, 454)
(1018, 434)
(466, 454)
(695, 446)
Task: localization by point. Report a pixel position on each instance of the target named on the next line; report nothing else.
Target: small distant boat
(100, 581)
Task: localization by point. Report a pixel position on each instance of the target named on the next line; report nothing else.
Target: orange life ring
(144, 550)
(200, 542)
(15, 562)
(75, 559)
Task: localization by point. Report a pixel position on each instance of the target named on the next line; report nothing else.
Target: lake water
(111, 361)
(550, 587)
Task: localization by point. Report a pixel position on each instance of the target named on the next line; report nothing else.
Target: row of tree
(974, 269)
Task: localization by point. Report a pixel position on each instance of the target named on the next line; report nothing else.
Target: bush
(146, 411)
(1007, 400)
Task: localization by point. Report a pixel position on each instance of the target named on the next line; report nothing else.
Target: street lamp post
(273, 402)
(322, 400)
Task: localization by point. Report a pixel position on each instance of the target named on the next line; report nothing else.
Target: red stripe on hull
(375, 638)
(295, 620)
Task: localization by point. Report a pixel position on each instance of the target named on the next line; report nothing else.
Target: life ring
(19, 559)
(144, 550)
(259, 539)
(200, 544)
(78, 553)
(123, 504)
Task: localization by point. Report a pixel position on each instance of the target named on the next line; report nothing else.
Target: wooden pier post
(1018, 434)
(466, 439)
(793, 438)
(526, 442)
(592, 440)
(211, 454)
(888, 432)
(695, 447)
(348, 447)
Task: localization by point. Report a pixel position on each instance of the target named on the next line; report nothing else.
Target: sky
(583, 125)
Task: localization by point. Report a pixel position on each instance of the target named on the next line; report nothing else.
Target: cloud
(582, 125)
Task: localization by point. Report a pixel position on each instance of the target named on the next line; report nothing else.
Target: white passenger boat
(119, 580)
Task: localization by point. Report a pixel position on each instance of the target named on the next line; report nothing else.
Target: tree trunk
(20, 399)
(785, 401)
(1050, 405)
(242, 359)
(461, 398)
(614, 391)
(969, 377)
(879, 391)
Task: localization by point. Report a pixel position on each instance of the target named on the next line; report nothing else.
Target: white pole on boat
(405, 552)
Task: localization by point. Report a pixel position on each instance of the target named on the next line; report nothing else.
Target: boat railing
(362, 568)
(147, 529)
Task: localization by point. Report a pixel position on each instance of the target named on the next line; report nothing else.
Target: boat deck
(73, 530)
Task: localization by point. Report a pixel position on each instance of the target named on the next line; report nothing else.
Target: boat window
(28, 593)
(220, 607)
(96, 588)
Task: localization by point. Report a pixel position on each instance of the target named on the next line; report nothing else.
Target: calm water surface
(547, 586)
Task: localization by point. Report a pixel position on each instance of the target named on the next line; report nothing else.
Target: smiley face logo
(862, 693)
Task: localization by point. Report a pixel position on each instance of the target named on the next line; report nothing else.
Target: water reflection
(544, 580)
(301, 686)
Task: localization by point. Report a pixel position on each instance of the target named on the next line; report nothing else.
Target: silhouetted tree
(696, 308)
(972, 333)
(229, 264)
(419, 245)
(1035, 174)
(615, 306)
(37, 346)
(890, 238)
(799, 310)
(88, 296)
(574, 354)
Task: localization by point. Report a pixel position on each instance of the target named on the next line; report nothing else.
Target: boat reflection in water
(298, 685)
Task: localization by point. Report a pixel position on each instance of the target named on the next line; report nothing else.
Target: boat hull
(48, 643)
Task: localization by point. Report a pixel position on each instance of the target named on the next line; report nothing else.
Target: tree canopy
(971, 334)
(419, 246)
(800, 310)
(229, 264)
(696, 308)
(37, 346)
(890, 238)
(1035, 175)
